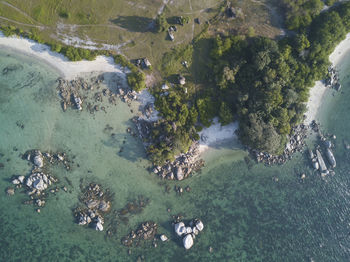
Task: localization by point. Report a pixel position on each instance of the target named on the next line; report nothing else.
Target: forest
(262, 83)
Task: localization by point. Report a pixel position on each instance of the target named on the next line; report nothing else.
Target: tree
(161, 23)
(225, 114)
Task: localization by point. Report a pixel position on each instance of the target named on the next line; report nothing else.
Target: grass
(125, 26)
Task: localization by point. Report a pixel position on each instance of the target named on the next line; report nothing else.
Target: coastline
(216, 134)
(67, 69)
(211, 136)
(318, 91)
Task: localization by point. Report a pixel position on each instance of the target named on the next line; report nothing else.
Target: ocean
(250, 212)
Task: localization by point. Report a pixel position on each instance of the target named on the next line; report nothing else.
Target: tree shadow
(134, 23)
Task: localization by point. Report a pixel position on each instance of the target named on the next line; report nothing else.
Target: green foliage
(267, 83)
(64, 14)
(207, 110)
(9, 30)
(161, 23)
(78, 54)
(300, 13)
(136, 80)
(225, 114)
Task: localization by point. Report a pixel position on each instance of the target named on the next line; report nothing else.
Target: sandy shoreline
(68, 70)
(215, 134)
(317, 92)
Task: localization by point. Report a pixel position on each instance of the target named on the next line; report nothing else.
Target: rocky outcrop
(79, 93)
(38, 159)
(94, 203)
(296, 144)
(331, 158)
(189, 232)
(146, 231)
(183, 165)
(332, 80)
(39, 181)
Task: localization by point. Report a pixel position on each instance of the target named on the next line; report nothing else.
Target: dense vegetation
(300, 13)
(266, 83)
(261, 82)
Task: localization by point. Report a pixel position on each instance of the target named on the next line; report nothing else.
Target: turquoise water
(248, 215)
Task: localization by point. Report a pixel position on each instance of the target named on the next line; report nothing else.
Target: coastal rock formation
(188, 232)
(183, 165)
(39, 180)
(38, 159)
(94, 203)
(296, 144)
(78, 92)
(332, 80)
(146, 231)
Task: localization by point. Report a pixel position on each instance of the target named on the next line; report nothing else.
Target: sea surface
(250, 212)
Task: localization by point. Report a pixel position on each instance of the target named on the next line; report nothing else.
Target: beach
(318, 90)
(68, 69)
(209, 136)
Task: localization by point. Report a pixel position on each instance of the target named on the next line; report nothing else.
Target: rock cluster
(183, 165)
(39, 159)
(189, 232)
(146, 231)
(144, 63)
(94, 204)
(332, 80)
(296, 144)
(39, 180)
(75, 93)
(134, 207)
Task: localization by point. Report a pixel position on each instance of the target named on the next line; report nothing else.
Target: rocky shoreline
(89, 93)
(332, 80)
(295, 144)
(183, 165)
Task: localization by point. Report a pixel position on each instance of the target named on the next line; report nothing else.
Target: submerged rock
(10, 191)
(188, 241)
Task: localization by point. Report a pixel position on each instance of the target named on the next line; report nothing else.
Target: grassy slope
(121, 22)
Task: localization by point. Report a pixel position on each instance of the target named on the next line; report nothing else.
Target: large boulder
(99, 226)
(199, 225)
(21, 179)
(180, 229)
(39, 184)
(179, 173)
(163, 238)
(38, 160)
(188, 241)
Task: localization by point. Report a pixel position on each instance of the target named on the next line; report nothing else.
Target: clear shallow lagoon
(247, 215)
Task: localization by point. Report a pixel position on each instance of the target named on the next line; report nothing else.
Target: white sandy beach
(216, 134)
(317, 92)
(213, 135)
(68, 69)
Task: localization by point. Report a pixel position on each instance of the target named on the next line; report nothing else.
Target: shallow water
(248, 216)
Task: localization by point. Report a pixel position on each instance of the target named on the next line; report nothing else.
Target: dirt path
(20, 11)
(19, 23)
